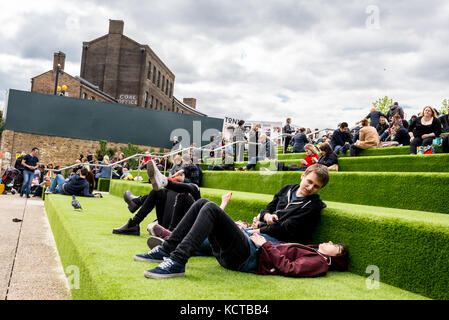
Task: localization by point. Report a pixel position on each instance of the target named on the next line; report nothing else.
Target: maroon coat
(296, 260)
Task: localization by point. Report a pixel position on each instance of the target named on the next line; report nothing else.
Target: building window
(154, 74)
(158, 79)
(146, 99)
(161, 106)
(171, 90)
(84, 95)
(149, 71)
(151, 102)
(157, 104)
(166, 88)
(92, 98)
(163, 83)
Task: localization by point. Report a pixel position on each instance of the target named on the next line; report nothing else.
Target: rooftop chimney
(116, 26)
(190, 102)
(58, 58)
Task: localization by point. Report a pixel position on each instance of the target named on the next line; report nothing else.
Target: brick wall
(56, 150)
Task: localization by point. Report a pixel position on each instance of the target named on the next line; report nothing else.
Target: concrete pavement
(30, 267)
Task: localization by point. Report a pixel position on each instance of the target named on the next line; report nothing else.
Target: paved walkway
(30, 267)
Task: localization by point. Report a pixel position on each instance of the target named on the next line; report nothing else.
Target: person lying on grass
(171, 203)
(237, 249)
(291, 216)
(75, 185)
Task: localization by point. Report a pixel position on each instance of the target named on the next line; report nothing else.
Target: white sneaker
(158, 180)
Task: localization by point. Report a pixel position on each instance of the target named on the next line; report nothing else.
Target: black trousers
(446, 144)
(354, 151)
(171, 203)
(418, 141)
(205, 219)
(287, 141)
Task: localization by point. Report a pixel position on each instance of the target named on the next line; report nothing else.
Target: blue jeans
(343, 149)
(27, 179)
(384, 136)
(253, 161)
(56, 185)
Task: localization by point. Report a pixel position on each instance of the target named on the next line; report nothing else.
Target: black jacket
(375, 117)
(297, 220)
(381, 128)
(419, 129)
(444, 119)
(340, 138)
(77, 186)
(402, 136)
(328, 160)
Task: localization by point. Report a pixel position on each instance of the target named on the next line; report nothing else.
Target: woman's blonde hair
(311, 147)
(106, 159)
(434, 113)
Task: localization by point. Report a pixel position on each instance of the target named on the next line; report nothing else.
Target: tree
(383, 104)
(129, 151)
(445, 104)
(105, 151)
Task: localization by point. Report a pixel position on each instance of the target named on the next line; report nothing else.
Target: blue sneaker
(167, 269)
(155, 255)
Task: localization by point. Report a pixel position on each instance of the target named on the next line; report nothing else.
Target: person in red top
(311, 158)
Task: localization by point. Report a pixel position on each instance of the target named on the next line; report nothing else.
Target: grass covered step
(409, 247)
(401, 163)
(390, 151)
(413, 191)
(107, 270)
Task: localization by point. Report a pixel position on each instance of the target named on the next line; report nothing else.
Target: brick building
(77, 87)
(131, 72)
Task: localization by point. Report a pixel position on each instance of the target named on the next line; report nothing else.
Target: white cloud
(239, 58)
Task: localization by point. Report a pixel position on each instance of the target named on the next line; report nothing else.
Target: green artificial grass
(401, 163)
(390, 151)
(107, 270)
(413, 191)
(397, 241)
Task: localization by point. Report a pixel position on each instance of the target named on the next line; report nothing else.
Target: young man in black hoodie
(291, 217)
(76, 185)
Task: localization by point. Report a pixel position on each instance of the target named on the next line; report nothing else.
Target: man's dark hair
(241, 122)
(398, 125)
(34, 149)
(344, 125)
(84, 172)
(302, 129)
(395, 104)
(321, 171)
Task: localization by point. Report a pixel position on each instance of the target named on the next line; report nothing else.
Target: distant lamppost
(58, 71)
(61, 90)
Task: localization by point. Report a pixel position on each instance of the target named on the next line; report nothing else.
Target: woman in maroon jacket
(240, 249)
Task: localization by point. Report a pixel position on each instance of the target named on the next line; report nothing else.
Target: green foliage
(105, 151)
(383, 104)
(445, 106)
(161, 150)
(129, 151)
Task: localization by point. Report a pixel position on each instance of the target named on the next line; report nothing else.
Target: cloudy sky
(319, 62)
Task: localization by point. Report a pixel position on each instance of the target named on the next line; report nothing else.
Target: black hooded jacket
(297, 220)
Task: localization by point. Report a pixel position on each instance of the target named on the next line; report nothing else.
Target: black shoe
(129, 197)
(153, 242)
(128, 228)
(28, 196)
(21, 193)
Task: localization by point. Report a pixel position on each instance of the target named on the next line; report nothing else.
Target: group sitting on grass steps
(272, 244)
